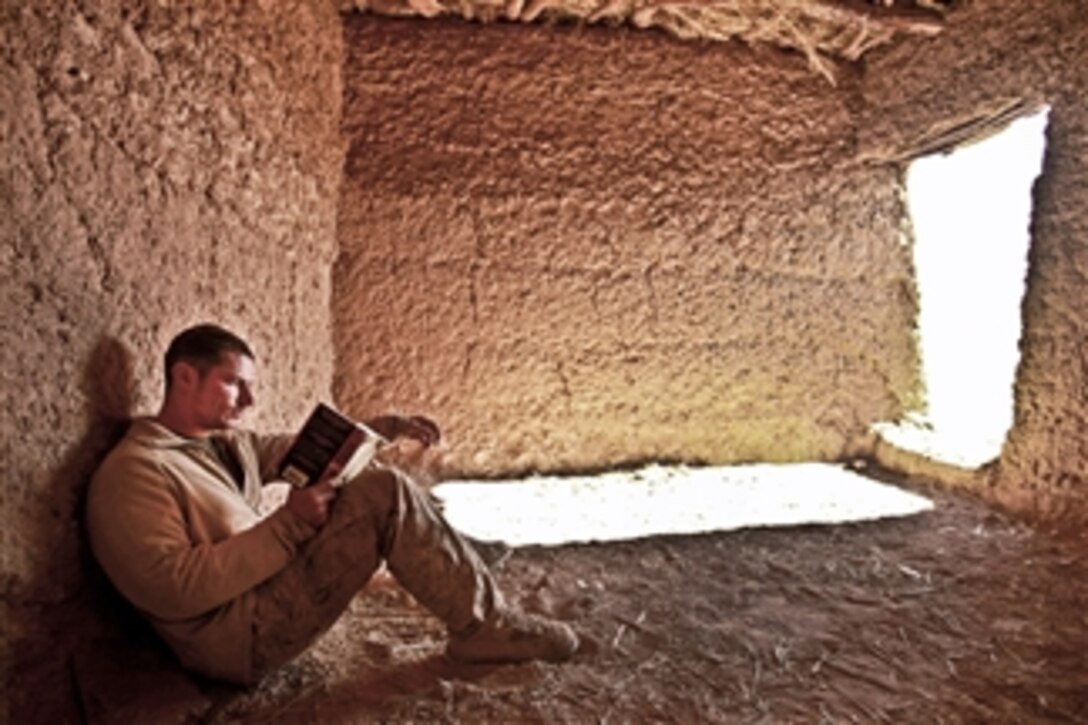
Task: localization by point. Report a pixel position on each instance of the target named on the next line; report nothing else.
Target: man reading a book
(174, 519)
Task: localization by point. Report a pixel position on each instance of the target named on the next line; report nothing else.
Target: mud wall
(163, 164)
(990, 55)
(583, 247)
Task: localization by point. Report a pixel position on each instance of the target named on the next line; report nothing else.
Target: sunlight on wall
(552, 510)
(971, 211)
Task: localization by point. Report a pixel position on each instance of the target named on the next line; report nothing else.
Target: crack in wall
(648, 282)
(564, 387)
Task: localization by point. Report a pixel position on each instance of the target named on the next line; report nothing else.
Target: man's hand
(416, 427)
(311, 504)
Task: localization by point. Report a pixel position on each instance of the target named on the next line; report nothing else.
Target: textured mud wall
(991, 54)
(588, 247)
(163, 164)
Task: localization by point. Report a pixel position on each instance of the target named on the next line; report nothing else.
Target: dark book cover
(328, 440)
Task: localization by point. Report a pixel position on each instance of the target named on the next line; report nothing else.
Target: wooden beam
(903, 17)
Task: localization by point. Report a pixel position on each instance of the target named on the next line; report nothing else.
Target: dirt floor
(955, 615)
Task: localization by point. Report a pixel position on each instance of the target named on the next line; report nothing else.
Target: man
(173, 517)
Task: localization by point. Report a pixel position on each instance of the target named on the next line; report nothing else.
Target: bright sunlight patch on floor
(970, 210)
(552, 510)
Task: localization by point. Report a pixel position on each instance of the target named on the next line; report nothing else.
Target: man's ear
(185, 375)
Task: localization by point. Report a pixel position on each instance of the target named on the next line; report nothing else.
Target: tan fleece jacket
(186, 545)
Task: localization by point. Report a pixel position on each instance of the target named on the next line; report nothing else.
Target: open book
(327, 441)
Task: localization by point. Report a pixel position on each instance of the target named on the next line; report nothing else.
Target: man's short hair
(203, 346)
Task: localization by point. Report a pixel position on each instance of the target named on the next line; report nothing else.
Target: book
(327, 441)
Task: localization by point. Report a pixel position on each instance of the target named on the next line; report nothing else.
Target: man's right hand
(311, 504)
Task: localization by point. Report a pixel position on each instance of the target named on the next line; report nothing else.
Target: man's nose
(245, 398)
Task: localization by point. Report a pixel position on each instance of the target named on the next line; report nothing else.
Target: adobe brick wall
(163, 164)
(584, 247)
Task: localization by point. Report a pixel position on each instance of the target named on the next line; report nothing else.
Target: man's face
(223, 393)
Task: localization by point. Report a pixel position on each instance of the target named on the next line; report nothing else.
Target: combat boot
(447, 576)
(514, 636)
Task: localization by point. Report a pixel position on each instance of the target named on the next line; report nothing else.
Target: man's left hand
(416, 427)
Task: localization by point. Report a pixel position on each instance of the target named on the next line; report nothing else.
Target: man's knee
(377, 492)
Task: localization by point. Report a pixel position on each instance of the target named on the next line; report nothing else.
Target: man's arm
(270, 450)
(417, 427)
(141, 537)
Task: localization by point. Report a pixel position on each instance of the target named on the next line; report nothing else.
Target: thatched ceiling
(824, 30)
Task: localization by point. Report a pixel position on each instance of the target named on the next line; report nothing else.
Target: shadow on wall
(108, 388)
(94, 654)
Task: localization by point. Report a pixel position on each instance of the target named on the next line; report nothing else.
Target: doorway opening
(971, 211)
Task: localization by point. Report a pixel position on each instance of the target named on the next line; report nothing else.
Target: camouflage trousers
(381, 515)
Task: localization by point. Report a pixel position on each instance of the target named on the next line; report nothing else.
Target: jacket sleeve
(140, 536)
(270, 449)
